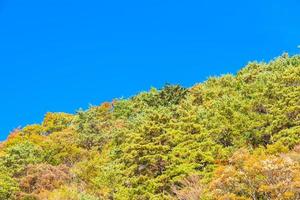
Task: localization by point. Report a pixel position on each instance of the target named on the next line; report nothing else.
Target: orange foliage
(258, 177)
(43, 177)
(106, 105)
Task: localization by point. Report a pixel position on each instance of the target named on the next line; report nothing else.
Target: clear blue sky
(61, 55)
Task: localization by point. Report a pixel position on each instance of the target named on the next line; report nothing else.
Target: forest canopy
(232, 137)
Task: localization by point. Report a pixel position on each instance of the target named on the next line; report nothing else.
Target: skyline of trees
(233, 137)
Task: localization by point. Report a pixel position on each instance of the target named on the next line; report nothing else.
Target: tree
(54, 122)
(93, 126)
(20, 155)
(41, 178)
(8, 185)
(257, 177)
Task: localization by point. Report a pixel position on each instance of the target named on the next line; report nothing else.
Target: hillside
(233, 137)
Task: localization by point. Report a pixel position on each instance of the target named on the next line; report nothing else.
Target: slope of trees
(234, 137)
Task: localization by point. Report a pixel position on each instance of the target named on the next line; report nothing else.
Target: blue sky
(61, 55)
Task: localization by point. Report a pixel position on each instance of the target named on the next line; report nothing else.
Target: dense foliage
(234, 137)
